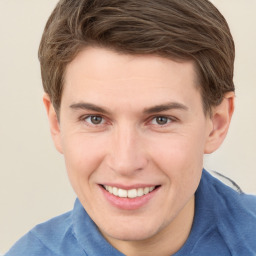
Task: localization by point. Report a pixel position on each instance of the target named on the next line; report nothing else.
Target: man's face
(128, 125)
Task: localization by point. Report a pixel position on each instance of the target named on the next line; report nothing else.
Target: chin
(134, 236)
(132, 233)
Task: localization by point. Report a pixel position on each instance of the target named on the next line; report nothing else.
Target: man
(136, 93)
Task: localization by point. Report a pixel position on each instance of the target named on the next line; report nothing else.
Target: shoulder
(46, 238)
(235, 216)
(230, 199)
(30, 245)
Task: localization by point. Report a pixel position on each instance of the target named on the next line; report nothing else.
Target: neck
(166, 242)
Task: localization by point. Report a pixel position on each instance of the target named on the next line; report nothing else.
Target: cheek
(180, 157)
(82, 156)
(179, 151)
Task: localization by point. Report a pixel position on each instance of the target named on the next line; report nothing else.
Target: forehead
(97, 61)
(101, 74)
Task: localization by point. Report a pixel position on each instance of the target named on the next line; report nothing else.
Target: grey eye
(161, 120)
(94, 119)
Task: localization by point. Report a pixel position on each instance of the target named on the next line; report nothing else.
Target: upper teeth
(131, 193)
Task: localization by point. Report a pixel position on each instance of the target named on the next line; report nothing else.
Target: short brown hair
(182, 30)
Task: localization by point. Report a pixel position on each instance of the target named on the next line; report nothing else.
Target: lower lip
(125, 203)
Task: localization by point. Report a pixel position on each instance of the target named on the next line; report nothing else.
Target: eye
(161, 120)
(94, 120)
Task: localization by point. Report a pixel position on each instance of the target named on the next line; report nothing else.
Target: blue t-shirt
(224, 224)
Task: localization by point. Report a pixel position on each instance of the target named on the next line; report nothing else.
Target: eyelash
(84, 118)
(169, 119)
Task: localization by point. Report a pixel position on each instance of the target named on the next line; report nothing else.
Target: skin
(150, 129)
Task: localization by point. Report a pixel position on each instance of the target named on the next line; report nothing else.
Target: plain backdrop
(33, 182)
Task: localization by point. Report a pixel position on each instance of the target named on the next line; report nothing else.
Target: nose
(127, 154)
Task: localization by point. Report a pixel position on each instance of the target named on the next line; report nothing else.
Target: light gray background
(33, 182)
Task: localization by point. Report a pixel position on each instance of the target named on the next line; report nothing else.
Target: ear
(53, 122)
(221, 117)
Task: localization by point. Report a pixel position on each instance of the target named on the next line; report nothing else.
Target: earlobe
(221, 117)
(53, 122)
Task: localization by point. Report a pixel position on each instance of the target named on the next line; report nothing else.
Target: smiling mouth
(131, 193)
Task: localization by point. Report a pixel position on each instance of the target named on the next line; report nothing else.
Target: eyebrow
(151, 110)
(165, 107)
(88, 106)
